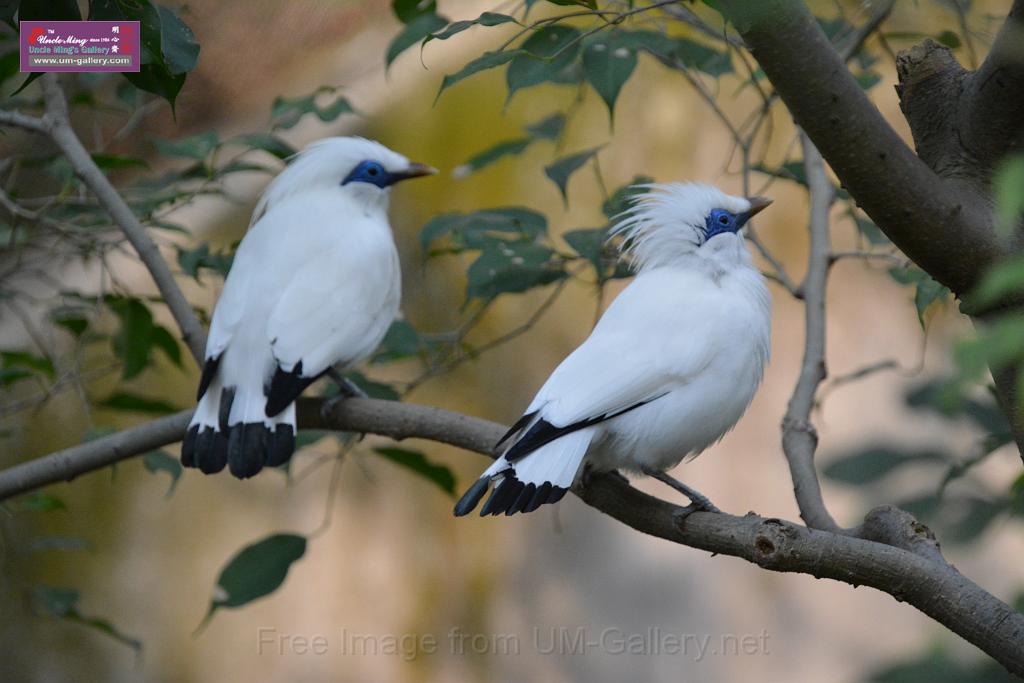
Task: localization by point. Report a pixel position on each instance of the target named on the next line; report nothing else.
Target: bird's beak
(757, 205)
(415, 170)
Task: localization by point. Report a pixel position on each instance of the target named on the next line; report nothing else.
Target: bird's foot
(698, 501)
(346, 387)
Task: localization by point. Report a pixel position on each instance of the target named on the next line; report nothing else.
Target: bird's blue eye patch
(372, 172)
(720, 221)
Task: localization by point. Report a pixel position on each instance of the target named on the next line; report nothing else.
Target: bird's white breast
(729, 306)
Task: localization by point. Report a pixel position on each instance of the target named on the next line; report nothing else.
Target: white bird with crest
(669, 369)
(314, 285)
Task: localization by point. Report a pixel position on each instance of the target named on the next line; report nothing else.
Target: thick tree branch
(913, 572)
(995, 119)
(799, 437)
(58, 127)
(942, 227)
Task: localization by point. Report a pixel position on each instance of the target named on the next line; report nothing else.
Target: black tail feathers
(244, 447)
(510, 496)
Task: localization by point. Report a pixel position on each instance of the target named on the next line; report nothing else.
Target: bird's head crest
(668, 221)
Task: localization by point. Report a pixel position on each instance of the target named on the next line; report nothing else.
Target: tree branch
(915, 574)
(799, 437)
(16, 119)
(941, 226)
(58, 127)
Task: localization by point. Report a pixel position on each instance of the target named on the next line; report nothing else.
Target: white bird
(314, 284)
(669, 369)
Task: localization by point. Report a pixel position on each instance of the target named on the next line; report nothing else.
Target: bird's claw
(698, 501)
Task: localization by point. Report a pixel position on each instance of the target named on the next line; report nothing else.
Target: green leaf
(974, 516)
(549, 128)
(116, 162)
(875, 462)
(286, 112)
(926, 290)
(267, 142)
(191, 261)
(456, 27)
(608, 62)
(512, 267)
(475, 230)
(590, 244)
(1009, 193)
(996, 346)
(177, 42)
(409, 10)
(166, 342)
(487, 60)
(134, 339)
(418, 463)
(196, 147)
(22, 359)
(548, 56)
(868, 79)
(127, 401)
(161, 461)
(38, 502)
(491, 155)
(257, 570)
(1004, 279)
(590, 4)
(949, 38)
(62, 603)
(419, 29)
(622, 198)
(871, 232)
(560, 171)
(679, 53)
(401, 342)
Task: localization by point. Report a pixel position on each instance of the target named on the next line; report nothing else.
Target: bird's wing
(333, 310)
(637, 353)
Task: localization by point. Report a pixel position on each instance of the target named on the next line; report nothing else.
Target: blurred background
(393, 569)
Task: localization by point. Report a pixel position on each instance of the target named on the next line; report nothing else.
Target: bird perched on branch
(314, 284)
(668, 370)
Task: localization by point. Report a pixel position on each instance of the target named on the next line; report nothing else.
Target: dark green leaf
(200, 257)
(608, 62)
(401, 341)
(267, 142)
(418, 463)
(874, 463)
(949, 39)
(134, 339)
(127, 401)
(868, 79)
(474, 230)
(548, 56)
(177, 42)
(196, 147)
(166, 342)
(9, 376)
(491, 155)
(562, 170)
(257, 570)
(589, 243)
(456, 27)
(9, 66)
(1002, 280)
(679, 53)
(623, 197)
(116, 162)
(409, 10)
(286, 112)
(487, 60)
(927, 291)
(38, 502)
(872, 233)
(974, 516)
(547, 129)
(161, 461)
(512, 267)
(21, 359)
(591, 4)
(419, 29)
(63, 603)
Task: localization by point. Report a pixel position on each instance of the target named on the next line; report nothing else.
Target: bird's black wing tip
(209, 370)
(471, 498)
(285, 387)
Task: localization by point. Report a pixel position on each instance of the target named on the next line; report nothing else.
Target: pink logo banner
(83, 46)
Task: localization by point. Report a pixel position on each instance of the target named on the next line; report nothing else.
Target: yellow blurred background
(394, 564)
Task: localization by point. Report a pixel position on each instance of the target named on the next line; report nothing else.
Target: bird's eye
(723, 219)
(373, 171)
